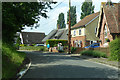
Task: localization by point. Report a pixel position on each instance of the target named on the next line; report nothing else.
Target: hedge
(54, 42)
(93, 53)
(115, 49)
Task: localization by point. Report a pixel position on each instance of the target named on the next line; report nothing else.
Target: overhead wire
(51, 10)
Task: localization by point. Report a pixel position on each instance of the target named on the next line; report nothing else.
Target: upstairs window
(74, 33)
(95, 30)
(79, 31)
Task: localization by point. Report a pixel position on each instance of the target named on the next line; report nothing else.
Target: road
(59, 65)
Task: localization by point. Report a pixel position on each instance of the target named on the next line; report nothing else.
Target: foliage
(73, 49)
(52, 42)
(36, 48)
(17, 15)
(87, 9)
(115, 49)
(93, 53)
(17, 43)
(73, 15)
(61, 21)
(11, 60)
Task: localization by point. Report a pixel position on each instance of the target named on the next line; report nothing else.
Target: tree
(87, 9)
(61, 21)
(72, 15)
(17, 15)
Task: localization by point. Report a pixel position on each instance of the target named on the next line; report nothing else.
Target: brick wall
(81, 38)
(102, 37)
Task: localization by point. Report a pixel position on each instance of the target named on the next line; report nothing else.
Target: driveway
(59, 65)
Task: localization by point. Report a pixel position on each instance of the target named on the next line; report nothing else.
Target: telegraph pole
(69, 32)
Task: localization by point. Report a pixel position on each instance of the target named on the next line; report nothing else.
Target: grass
(93, 53)
(37, 48)
(11, 60)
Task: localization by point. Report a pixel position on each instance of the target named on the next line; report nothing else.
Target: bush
(53, 42)
(115, 49)
(37, 48)
(93, 53)
(73, 49)
(11, 61)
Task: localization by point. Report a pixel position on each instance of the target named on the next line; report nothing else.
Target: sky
(62, 6)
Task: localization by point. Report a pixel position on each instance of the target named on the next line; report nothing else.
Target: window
(26, 40)
(91, 42)
(95, 30)
(74, 32)
(79, 31)
(105, 31)
(27, 35)
(80, 43)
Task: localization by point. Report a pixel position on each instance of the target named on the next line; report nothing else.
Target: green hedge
(115, 49)
(93, 53)
(37, 48)
(73, 49)
(53, 42)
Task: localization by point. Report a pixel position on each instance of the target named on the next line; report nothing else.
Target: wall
(102, 37)
(77, 32)
(90, 30)
(82, 38)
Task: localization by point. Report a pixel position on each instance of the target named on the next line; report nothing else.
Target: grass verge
(93, 53)
(11, 61)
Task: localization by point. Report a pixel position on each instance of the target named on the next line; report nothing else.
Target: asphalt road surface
(59, 65)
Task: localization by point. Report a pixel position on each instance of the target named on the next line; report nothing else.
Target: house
(84, 32)
(109, 23)
(57, 34)
(32, 37)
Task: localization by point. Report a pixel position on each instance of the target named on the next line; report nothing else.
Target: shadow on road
(54, 65)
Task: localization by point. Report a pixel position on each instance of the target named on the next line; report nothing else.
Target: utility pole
(69, 31)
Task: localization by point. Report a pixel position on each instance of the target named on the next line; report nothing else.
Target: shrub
(73, 49)
(37, 48)
(93, 53)
(115, 49)
(53, 42)
(11, 61)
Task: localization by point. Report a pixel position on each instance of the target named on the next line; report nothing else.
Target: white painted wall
(77, 32)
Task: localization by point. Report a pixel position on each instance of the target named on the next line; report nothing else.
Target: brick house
(84, 32)
(109, 23)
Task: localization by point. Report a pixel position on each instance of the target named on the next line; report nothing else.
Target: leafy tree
(17, 15)
(72, 15)
(87, 9)
(61, 21)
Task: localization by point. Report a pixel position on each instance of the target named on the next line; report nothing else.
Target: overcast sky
(46, 25)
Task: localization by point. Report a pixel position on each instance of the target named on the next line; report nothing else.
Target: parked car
(94, 45)
(39, 45)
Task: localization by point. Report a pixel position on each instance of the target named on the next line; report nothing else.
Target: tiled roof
(57, 34)
(32, 37)
(112, 13)
(86, 20)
